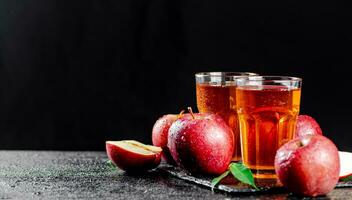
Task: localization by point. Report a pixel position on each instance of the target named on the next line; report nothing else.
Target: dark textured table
(86, 175)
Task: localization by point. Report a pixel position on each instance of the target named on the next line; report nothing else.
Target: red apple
(345, 164)
(133, 156)
(306, 125)
(201, 143)
(308, 165)
(160, 135)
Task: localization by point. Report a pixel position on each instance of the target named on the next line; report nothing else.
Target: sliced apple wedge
(133, 156)
(345, 164)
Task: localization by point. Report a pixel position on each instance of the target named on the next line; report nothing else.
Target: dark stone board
(232, 186)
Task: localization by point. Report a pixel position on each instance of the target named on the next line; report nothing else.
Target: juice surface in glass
(267, 116)
(221, 99)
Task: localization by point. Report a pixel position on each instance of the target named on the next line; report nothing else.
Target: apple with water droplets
(308, 165)
(201, 143)
(160, 135)
(307, 125)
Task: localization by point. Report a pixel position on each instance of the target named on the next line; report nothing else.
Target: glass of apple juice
(267, 108)
(216, 93)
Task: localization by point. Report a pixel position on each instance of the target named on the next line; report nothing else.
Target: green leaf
(110, 164)
(216, 180)
(243, 174)
(348, 178)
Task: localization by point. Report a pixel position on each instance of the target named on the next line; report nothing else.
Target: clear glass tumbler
(216, 93)
(267, 108)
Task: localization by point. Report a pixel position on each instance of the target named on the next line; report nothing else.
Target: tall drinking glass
(216, 93)
(267, 108)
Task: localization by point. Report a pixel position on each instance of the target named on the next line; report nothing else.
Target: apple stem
(181, 113)
(191, 112)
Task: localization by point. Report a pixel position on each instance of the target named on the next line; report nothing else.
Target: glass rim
(271, 78)
(225, 74)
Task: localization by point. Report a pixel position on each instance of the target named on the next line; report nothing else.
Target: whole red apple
(308, 165)
(201, 143)
(160, 135)
(306, 125)
(133, 156)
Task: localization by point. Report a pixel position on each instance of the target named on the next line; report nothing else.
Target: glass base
(236, 159)
(264, 174)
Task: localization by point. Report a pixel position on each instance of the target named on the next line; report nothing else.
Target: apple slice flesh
(131, 147)
(147, 147)
(133, 156)
(345, 164)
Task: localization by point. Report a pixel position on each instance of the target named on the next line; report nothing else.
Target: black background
(76, 73)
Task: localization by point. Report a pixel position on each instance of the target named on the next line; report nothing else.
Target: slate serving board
(229, 185)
